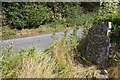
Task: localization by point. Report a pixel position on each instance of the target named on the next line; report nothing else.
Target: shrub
(26, 15)
(38, 15)
(14, 14)
(81, 19)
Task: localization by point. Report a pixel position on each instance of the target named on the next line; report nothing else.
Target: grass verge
(8, 33)
(59, 60)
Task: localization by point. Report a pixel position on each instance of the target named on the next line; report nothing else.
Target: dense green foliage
(31, 15)
(26, 15)
(15, 15)
(38, 15)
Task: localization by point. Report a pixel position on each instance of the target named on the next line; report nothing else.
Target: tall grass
(59, 60)
(114, 66)
(8, 33)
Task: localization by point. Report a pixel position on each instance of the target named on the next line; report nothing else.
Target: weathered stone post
(98, 44)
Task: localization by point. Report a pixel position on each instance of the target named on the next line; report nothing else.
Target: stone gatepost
(98, 46)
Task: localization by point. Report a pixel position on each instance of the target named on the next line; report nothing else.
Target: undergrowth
(59, 60)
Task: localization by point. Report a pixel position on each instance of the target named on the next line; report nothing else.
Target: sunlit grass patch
(54, 28)
(8, 33)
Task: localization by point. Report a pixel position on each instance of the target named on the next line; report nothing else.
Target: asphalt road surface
(39, 42)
